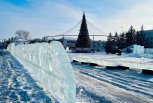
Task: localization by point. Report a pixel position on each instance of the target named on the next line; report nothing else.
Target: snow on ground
(94, 84)
(112, 86)
(16, 84)
(127, 57)
(114, 60)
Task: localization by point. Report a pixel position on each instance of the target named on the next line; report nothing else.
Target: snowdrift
(50, 66)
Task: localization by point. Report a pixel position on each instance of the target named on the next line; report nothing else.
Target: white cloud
(46, 17)
(41, 19)
(136, 15)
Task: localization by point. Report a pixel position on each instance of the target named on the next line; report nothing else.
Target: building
(19, 41)
(68, 42)
(98, 45)
(148, 38)
(71, 43)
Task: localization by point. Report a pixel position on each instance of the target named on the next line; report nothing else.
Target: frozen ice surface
(50, 66)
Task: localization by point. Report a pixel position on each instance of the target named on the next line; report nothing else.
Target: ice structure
(50, 66)
(138, 50)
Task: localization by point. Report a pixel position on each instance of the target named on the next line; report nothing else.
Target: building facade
(19, 41)
(98, 45)
(148, 38)
(71, 43)
(68, 42)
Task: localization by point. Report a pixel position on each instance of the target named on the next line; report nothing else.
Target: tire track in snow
(118, 80)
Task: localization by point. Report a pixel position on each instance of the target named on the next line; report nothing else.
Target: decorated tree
(83, 40)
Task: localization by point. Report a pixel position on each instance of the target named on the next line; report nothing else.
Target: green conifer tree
(131, 36)
(116, 39)
(109, 43)
(83, 40)
(122, 41)
(140, 36)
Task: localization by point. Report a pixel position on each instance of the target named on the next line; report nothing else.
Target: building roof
(148, 32)
(68, 38)
(20, 40)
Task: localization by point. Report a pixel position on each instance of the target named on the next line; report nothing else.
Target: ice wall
(50, 66)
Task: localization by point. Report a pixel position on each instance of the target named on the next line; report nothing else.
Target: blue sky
(52, 17)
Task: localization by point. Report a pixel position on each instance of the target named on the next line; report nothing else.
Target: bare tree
(22, 34)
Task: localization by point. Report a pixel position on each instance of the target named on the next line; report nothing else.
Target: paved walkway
(16, 85)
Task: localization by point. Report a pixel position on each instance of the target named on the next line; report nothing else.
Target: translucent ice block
(50, 66)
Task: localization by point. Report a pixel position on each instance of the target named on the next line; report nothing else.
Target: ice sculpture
(50, 66)
(138, 50)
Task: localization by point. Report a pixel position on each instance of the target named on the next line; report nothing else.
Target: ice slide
(50, 66)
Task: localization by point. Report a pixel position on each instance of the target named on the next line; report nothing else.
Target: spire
(83, 40)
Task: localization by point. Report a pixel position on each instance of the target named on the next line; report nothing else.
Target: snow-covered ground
(17, 85)
(114, 60)
(94, 84)
(99, 85)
